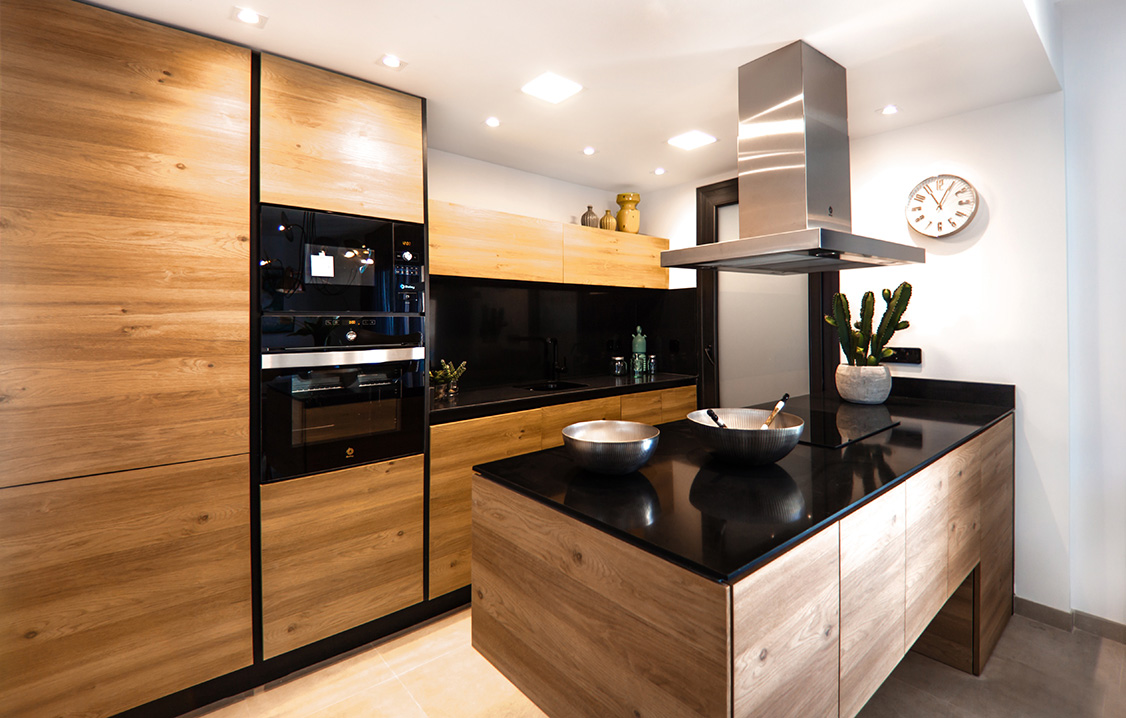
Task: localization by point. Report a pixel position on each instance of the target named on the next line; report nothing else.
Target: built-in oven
(324, 262)
(339, 391)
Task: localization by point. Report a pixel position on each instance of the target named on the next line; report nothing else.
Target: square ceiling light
(551, 87)
(691, 140)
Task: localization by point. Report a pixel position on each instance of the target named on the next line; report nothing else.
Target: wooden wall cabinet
(340, 549)
(335, 143)
(118, 589)
(469, 242)
(455, 448)
(124, 256)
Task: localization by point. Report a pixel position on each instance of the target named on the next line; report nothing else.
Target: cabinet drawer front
(468, 242)
(339, 549)
(121, 588)
(558, 417)
(678, 403)
(644, 407)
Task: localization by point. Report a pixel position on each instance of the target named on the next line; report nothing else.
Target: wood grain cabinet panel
(558, 417)
(678, 403)
(873, 593)
(588, 625)
(964, 505)
(455, 448)
(335, 143)
(118, 589)
(340, 549)
(645, 406)
(617, 259)
(926, 547)
(995, 460)
(468, 242)
(786, 633)
(124, 260)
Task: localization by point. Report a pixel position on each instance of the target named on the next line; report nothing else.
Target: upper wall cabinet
(335, 143)
(470, 242)
(124, 254)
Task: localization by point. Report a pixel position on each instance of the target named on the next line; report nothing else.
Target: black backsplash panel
(499, 327)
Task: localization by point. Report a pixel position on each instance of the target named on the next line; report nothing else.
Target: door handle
(709, 354)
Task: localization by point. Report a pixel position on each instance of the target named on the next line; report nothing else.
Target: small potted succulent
(864, 380)
(444, 378)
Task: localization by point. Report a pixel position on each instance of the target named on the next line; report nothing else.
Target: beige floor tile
(307, 693)
(389, 699)
(462, 684)
(428, 642)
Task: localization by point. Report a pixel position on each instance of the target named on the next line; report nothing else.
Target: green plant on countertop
(446, 373)
(860, 345)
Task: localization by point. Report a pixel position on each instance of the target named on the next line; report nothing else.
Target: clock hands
(928, 190)
(944, 195)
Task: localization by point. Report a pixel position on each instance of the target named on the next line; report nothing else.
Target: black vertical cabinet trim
(708, 199)
(429, 339)
(824, 354)
(255, 363)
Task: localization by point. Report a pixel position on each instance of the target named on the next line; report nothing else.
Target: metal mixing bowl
(610, 447)
(743, 441)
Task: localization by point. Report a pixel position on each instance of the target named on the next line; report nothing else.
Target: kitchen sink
(551, 386)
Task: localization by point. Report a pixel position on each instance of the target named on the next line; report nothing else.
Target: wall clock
(942, 205)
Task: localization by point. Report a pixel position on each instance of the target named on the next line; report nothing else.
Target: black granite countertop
(722, 520)
(489, 401)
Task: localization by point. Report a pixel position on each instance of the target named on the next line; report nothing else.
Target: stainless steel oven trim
(307, 360)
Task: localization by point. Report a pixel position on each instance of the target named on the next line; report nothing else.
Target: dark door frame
(823, 353)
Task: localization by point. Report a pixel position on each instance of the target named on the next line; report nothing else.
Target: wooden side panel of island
(586, 624)
(995, 602)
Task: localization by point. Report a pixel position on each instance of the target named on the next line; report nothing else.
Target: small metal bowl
(611, 447)
(743, 441)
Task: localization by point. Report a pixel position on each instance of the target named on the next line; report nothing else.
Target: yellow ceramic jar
(629, 218)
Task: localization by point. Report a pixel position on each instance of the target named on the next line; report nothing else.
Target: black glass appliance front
(323, 262)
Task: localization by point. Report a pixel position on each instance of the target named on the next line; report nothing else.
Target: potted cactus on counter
(864, 380)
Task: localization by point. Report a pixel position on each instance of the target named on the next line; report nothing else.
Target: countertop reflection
(723, 520)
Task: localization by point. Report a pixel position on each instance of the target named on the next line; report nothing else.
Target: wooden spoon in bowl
(777, 408)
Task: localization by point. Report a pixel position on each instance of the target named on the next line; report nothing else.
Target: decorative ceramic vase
(608, 221)
(589, 218)
(864, 384)
(629, 218)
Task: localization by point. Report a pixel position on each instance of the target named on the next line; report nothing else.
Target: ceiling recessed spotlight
(492, 122)
(659, 171)
(392, 62)
(551, 87)
(691, 140)
(888, 110)
(588, 151)
(248, 16)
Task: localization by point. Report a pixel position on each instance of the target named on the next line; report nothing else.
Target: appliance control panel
(409, 276)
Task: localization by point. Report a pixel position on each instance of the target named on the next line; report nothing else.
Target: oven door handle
(311, 360)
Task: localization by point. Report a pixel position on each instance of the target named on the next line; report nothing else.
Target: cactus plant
(861, 347)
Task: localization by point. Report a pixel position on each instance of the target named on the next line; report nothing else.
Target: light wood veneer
(616, 259)
(554, 419)
(995, 461)
(555, 601)
(335, 143)
(469, 242)
(340, 549)
(118, 589)
(928, 521)
(124, 261)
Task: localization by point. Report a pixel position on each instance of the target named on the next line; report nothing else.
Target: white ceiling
(651, 69)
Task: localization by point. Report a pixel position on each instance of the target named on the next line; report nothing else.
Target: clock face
(942, 205)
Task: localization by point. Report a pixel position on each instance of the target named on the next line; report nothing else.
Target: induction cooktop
(833, 423)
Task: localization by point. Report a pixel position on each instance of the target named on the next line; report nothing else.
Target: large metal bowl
(611, 447)
(743, 441)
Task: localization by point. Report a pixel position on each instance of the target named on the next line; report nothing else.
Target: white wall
(990, 304)
(462, 180)
(1095, 105)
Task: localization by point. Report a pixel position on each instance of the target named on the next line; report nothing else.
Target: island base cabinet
(339, 549)
(786, 623)
(996, 571)
(118, 589)
(587, 625)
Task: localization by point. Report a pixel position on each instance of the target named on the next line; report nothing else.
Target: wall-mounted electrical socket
(905, 355)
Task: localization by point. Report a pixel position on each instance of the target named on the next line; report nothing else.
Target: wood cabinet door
(558, 417)
(964, 470)
(996, 598)
(928, 520)
(616, 259)
(335, 143)
(678, 403)
(455, 448)
(644, 406)
(786, 633)
(873, 588)
(340, 549)
(468, 242)
(118, 589)
(124, 255)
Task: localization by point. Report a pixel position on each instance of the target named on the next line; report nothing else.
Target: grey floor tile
(897, 699)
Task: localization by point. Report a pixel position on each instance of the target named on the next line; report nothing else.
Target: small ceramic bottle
(589, 218)
(629, 218)
(608, 221)
(639, 362)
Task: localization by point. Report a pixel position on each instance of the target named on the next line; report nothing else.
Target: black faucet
(551, 359)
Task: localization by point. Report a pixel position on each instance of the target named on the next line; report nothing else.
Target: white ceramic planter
(864, 384)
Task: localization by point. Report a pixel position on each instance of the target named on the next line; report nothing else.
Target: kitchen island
(696, 587)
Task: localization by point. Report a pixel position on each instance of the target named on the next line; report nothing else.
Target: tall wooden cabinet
(124, 394)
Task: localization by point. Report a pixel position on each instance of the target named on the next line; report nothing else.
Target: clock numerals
(920, 218)
(964, 202)
(959, 213)
(920, 198)
(941, 205)
(940, 226)
(940, 181)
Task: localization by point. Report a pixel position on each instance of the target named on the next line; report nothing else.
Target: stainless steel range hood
(795, 206)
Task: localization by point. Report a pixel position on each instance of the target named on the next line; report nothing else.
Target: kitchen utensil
(610, 447)
(777, 408)
(715, 417)
(744, 440)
